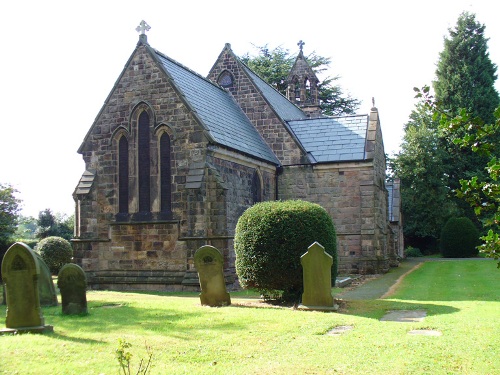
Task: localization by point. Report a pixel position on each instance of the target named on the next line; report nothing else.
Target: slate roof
(281, 105)
(333, 139)
(394, 200)
(222, 117)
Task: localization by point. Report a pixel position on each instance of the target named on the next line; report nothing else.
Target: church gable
(262, 105)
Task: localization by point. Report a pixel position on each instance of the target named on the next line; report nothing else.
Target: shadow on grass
(58, 336)
(110, 317)
(376, 309)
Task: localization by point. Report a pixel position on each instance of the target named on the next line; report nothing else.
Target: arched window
(165, 175)
(256, 188)
(144, 163)
(307, 85)
(123, 175)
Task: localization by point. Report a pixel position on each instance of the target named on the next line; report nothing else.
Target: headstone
(46, 288)
(21, 274)
(73, 285)
(317, 277)
(209, 264)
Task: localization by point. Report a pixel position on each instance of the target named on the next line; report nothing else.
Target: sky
(61, 59)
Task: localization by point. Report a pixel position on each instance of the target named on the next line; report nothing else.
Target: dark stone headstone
(317, 271)
(209, 264)
(46, 288)
(21, 275)
(73, 285)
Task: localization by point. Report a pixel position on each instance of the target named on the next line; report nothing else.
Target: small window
(256, 188)
(226, 79)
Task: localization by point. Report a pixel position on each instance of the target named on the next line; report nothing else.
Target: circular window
(226, 79)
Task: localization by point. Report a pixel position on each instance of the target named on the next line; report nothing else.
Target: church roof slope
(220, 114)
(281, 105)
(333, 139)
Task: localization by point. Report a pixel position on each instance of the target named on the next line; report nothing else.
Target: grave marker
(46, 289)
(73, 285)
(317, 276)
(21, 274)
(209, 264)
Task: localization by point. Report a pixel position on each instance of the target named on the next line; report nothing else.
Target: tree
(465, 80)
(59, 225)
(483, 195)
(273, 65)
(9, 214)
(465, 73)
(419, 165)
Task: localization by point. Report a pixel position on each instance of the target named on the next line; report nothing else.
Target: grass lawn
(461, 299)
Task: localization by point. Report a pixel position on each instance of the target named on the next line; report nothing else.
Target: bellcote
(303, 85)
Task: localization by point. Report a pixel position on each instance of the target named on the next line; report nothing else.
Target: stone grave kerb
(72, 284)
(21, 273)
(209, 264)
(317, 278)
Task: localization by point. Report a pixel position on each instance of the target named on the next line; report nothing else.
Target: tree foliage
(465, 78)
(459, 238)
(50, 224)
(465, 73)
(481, 193)
(419, 165)
(9, 214)
(273, 65)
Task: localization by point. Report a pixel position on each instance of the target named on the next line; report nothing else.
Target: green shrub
(270, 239)
(413, 252)
(459, 238)
(56, 252)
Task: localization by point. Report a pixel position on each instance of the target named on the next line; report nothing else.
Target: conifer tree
(465, 73)
(465, 78)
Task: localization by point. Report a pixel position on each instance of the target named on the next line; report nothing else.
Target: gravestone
(46, 288)
(209, 264)
(73, 285)
(317, 277)
(21, 274)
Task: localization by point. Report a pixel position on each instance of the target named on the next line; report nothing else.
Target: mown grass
(461, 299)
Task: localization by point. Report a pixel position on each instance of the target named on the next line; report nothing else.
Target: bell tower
(303, 85)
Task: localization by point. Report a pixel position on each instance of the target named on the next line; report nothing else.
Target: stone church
(173, 159)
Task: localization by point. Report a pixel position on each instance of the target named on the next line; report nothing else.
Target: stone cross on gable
(300, 44)
(143, 27)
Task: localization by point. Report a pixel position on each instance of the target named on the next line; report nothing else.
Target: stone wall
(350, 195)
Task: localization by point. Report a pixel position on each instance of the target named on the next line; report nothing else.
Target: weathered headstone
(21, 274)
(73, 285)
(317, 276)
(46, 288)
(209, 264)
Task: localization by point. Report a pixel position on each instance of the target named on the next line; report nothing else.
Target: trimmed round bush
(55, 252)
(271, 237)
(459, 238)
(413, 252)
